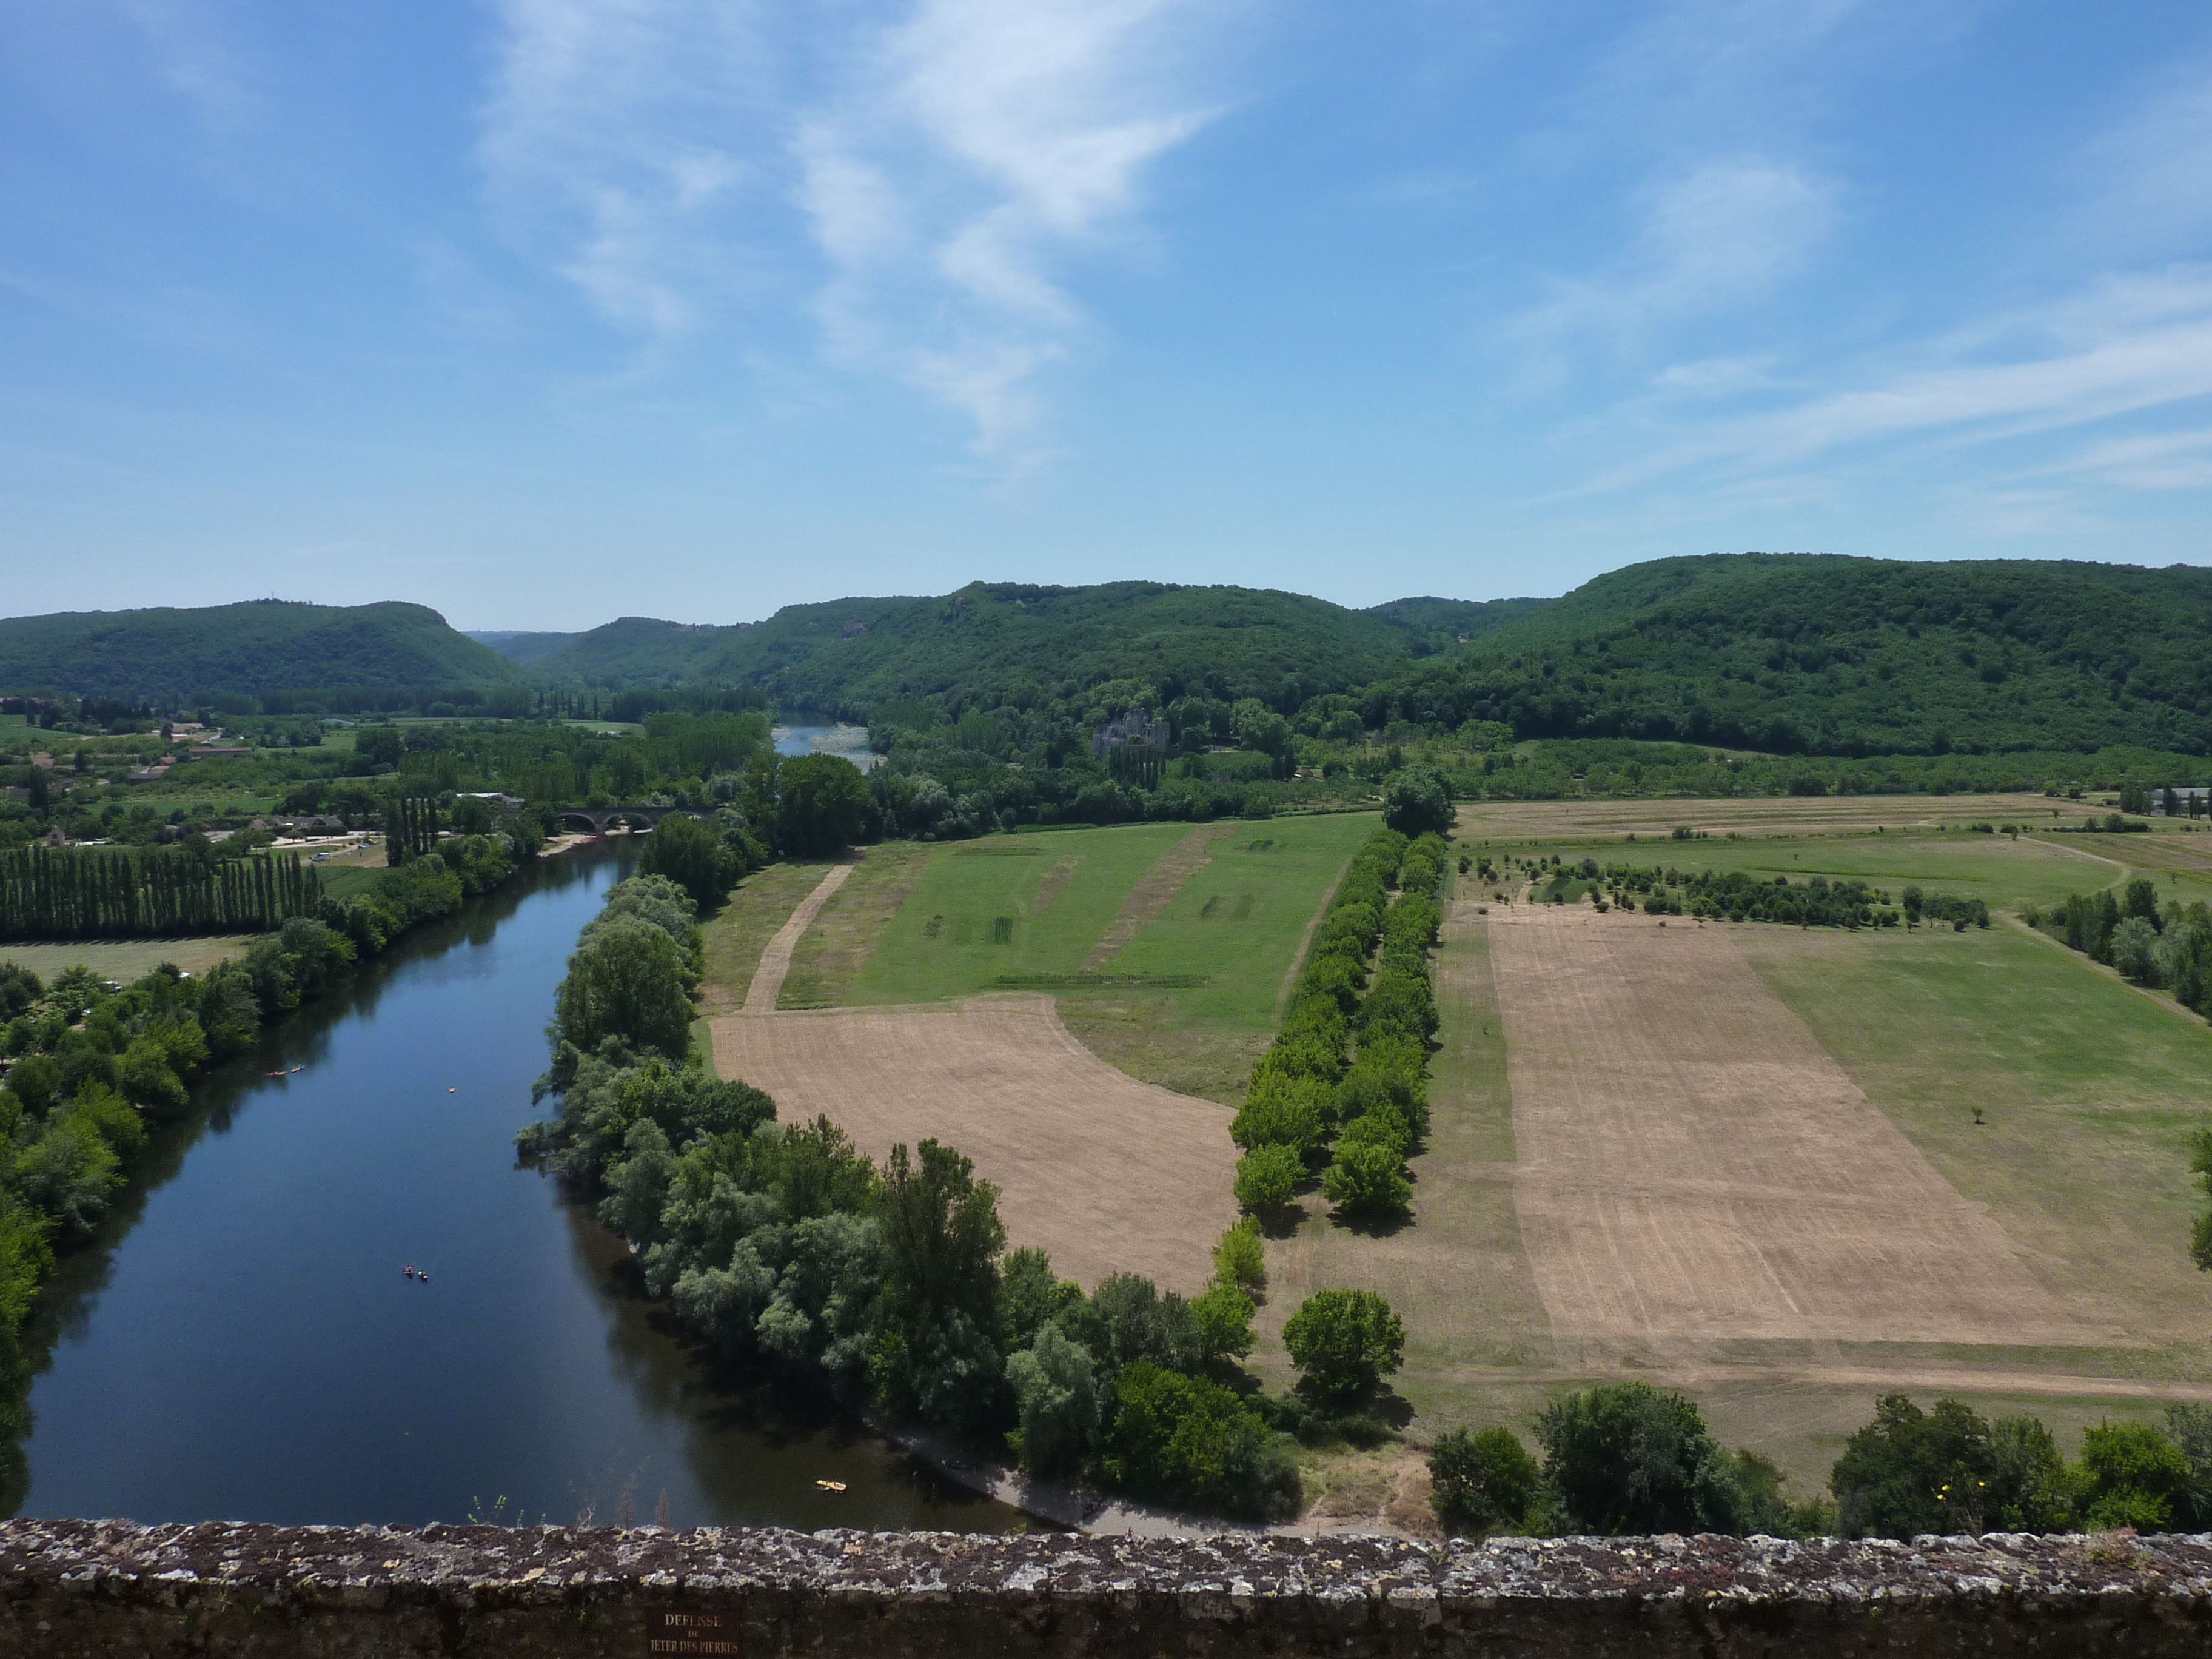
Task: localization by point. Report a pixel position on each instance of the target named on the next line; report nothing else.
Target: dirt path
(1108, 1174)
(1150, 897)
(1693, 1168)
(775, 959)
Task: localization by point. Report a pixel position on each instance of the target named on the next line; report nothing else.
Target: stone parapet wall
(109, 1588)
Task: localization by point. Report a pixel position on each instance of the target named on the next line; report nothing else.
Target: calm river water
(243, 1345)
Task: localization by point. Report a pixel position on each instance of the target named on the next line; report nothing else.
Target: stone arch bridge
(599, 819)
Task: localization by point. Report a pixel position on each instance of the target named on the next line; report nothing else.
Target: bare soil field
(1108, 1174)
(1693, 1169)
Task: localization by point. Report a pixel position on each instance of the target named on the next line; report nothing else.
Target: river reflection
(241, 1343)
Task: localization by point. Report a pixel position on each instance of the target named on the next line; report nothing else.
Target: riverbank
(236, 1338)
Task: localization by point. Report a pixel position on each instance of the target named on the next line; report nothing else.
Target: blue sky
(543, 312)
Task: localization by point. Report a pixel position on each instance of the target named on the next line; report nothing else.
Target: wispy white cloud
(195, 55)
(949, 160)
(968, 156)
(2121, 347)
(2151, 187)
(621, 133)
(2159, 460)
(1722, 232)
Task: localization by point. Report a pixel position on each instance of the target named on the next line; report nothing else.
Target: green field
(2089, 1088)
(344, 880)
(126, 959)
(1238, 921)
(1187, 1001)
(972, 919)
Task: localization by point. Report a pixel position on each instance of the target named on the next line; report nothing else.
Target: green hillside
(1826, 655)
(518, 645)
(993, 643)
(263, 645)
(1435, 625)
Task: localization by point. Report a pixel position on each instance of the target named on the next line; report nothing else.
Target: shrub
(2134, 951)
(1052, 1380)
(2132, 1476)
(695, 857)
(1268, 1175)
(1918, 1471)
(1281, 1111)
(1366, 1181)
(1343, 1343)
(627, 980)
(1415, 799)
(1237, 1257)
(1481, 1480)
(1624, 1457)
(1183, 1440)
(1221, 1323)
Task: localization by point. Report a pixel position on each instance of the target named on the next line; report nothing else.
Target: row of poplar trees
(147, 893)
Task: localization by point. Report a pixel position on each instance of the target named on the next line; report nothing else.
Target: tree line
(1738, 896)
(1306, 1103)
(49, 892)
(2169, 947)
(1625, 1457)
(782, 1246)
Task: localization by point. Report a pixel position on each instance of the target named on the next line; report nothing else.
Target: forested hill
(518, 645)
(262, 645)
(993, 643)
(1794, 652)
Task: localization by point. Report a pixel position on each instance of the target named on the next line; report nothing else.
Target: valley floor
(1738, 1159)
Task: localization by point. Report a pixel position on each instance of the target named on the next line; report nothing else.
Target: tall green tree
(942, 1238)
(628, 980)
(821, 805)
(1343, 1343)
(1624, 1457)
(693, 856)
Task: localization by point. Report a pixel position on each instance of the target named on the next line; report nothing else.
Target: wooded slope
(1800, 652)
(262, 645)
(996, 641)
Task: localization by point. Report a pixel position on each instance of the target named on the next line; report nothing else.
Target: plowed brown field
(1693, 1168)
(1108, 1174)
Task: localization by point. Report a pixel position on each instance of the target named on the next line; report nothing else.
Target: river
(240, 1343)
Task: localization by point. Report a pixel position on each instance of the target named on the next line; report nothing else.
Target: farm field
(1557, 820)
(1005, 907)
(1742, 1160)
(1025, 998)
(1108, 1174)
(828, 957)
(126, 959)
(1737, 1159)
(736, 935)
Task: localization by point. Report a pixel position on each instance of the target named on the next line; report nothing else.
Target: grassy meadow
(1168, 946)
(1002, 908)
